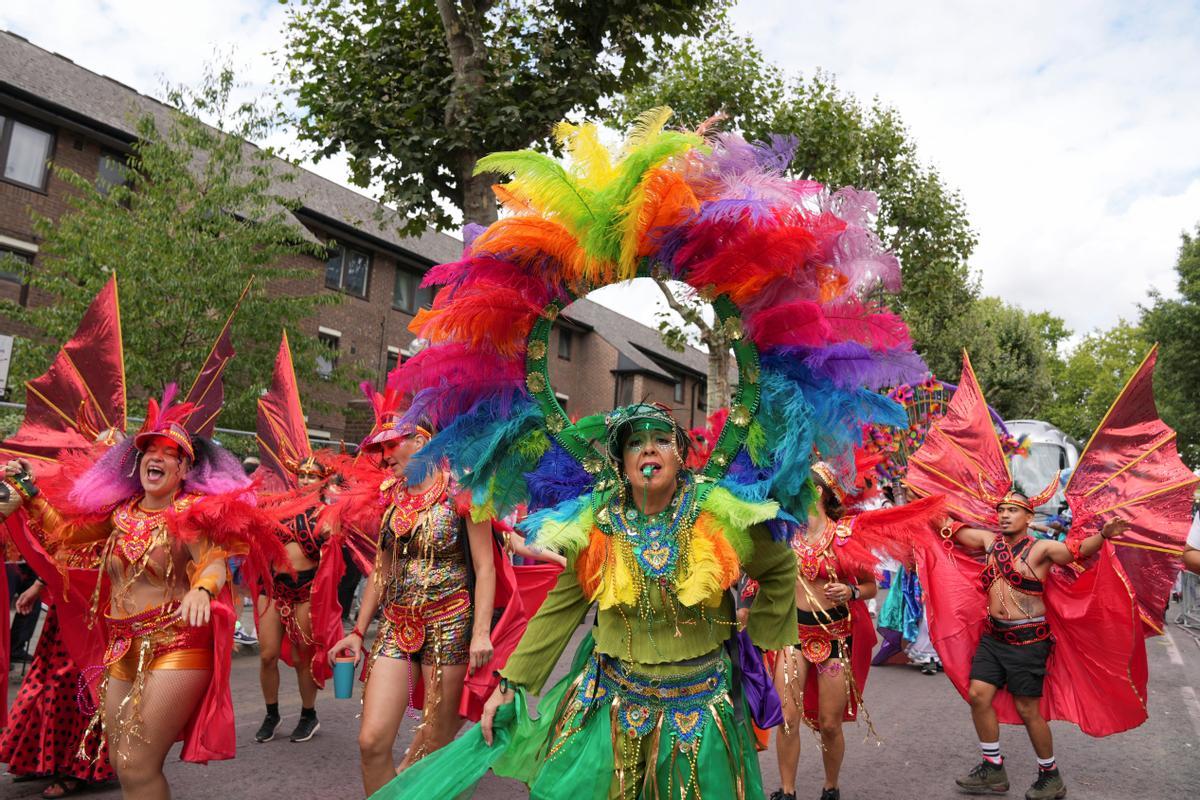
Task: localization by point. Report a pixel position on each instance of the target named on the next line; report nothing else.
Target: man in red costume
(1014, 650)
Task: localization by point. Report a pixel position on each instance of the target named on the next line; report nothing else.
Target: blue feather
(557, 477)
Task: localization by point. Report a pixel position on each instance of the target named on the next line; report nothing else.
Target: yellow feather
(702, 579)
(648, 125)
(591, 163)
(616, 584)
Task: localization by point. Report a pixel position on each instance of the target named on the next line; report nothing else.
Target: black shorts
(1020, 667)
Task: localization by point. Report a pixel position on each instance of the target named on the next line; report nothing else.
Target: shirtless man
(1014, 649)
(1191, 553)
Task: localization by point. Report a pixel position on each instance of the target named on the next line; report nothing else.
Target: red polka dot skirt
(45, 723)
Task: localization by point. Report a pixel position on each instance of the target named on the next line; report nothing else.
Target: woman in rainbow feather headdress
(659, 698)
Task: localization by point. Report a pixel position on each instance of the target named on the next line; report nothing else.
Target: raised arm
(1079, 549)
(49, 525)
(968, 537)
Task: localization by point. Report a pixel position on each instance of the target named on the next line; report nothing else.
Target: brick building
(53, 111)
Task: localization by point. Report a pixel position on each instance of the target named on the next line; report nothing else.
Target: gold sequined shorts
(172, 643)
(438, 632)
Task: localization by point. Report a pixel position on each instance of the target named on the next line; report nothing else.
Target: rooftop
(56, 84)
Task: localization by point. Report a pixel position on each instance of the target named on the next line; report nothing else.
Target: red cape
(1096, 675)
(4, 637)
(860, 663)
(210, 734)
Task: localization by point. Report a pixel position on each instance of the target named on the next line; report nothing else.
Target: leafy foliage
(416, 92)
(841, 142)
(1014, 354)
(1175, 324)
(199, 215)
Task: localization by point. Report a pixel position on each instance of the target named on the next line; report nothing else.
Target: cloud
(1069, 127)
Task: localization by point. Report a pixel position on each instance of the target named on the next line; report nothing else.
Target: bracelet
(1074, 546)
(356, 632)
(208, 592)
(854, 592)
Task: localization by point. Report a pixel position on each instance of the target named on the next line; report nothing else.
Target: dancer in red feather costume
(1031, 630)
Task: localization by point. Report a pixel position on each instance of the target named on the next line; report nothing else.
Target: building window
(408, 295)
(562, 400)
(393, 360)
(678, 394)
(624, 390)
(702, 396)
(331, 341)
(25, 153)
(111, 172)
(14, 265)
(565, 338)
(347, 270)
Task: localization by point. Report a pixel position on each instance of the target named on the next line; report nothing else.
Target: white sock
(1047, 763)
(991, 752)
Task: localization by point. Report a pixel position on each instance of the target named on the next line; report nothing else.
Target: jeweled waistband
(1018, 633)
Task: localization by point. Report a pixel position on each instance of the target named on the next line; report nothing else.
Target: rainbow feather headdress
(791, 269)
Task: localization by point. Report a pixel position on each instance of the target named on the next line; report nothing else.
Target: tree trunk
(468, 59)
(478, 201)
(718, 372)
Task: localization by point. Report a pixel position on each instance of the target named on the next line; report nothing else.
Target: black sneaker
(780, 794)
(305, 728)
(266, 731)
(831, 794)
(1048, 786)
(986, 778)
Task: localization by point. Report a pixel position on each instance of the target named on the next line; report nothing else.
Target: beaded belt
(124, 631)
(409, 622)
(816, 640)
(1022, 633)
(679, 701)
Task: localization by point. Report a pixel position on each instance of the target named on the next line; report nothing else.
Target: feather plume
(544, 184)
(591, 163)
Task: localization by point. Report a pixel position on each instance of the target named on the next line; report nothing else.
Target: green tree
(1175, 324)
(1092, 375)
(198, 216)
(416, 92)
(1014, 353)
(841, 142)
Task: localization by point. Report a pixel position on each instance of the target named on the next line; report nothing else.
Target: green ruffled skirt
(602, 726)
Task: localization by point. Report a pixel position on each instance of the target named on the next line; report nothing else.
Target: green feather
(550, 188)
(736, 517)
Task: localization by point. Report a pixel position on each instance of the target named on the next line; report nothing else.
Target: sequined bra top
(137, 534)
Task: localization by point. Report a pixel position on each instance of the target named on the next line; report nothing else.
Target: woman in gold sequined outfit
(434, 583)
(168, 621)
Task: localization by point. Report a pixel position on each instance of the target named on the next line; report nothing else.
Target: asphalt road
(925, 739)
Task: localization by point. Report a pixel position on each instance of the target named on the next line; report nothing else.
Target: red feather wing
(1131, 470)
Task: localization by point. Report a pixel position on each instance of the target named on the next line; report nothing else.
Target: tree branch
(706, 330)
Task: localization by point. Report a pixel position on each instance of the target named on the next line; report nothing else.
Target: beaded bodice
(423, 535)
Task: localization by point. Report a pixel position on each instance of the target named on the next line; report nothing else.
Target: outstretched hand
(1114, 528)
